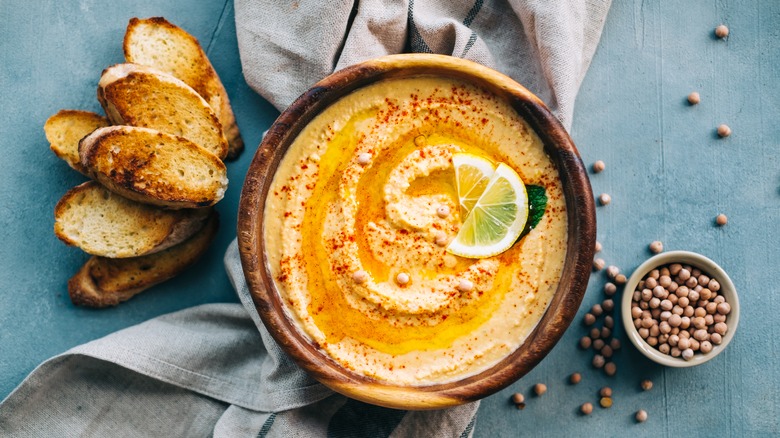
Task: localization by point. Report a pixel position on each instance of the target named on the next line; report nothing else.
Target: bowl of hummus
(348, 214)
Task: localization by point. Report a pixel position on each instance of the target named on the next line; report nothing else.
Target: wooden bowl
(575, 274)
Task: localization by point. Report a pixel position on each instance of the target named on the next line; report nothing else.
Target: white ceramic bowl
(707, 267)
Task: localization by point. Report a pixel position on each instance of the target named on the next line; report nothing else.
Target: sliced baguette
(162, 45)
(66, 128)
(152, 167)
(104, 282)
(103, 223)
(139, 95)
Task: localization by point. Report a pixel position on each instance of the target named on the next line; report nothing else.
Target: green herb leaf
(537, 204)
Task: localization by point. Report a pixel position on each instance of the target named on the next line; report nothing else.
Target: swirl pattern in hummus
(359, 190)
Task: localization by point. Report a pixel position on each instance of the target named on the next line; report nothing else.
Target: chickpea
(655, 331)
(586, 408)
(685, 321)
(675, 268)
(606, 351)
(724, 130)
(588, 319)
(705, 347)
(597, 247)
(636, 312)
(664, 348)
(652, 341)
(606, 402)
(575, 378)
(605, 332)
(636, 296)
(598, 344)
(694, 344)
(598, 361)
(637, 323)
(596, 310)
(721, 220)
(655, 313)
(722, 31)
(665, 315)
(665, 281)
(684, 274)
(647, 294)
(716, 338)
(621, 279)
(644, 332)
(656, 247)
(723, 308)
(683, 302)
(664, 327)
(612, 271)
(660, 292)
(675, 352)
(719, 299)
(692, 282)
(677, 310)
(694, 98)
(641, 416)
(585, 342)
(610, 369)
(598, 166)
(608, 305)
(701, 335)
(595, 333)
(651, 283)
(654, 303)
(687, 354)
(667, 305)
(518, 398)
(540, 389)
(598, 264)
(721, 328)
(684, 344)
(700, 312)
(605, 392)
(703, 280)
(604, 199)
(610, 289)
(673, 339)
(688, 312)
(609, 322)
(615, 344)
(718, 318)
(714, 285)
(706, 294)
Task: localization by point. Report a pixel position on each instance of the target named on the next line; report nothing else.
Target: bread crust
(153, 167)
(190, 64)
(64, 130)
(102, 223)
(143, 96)
(105, 282)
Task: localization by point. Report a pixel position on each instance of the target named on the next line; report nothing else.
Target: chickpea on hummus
(358, 218)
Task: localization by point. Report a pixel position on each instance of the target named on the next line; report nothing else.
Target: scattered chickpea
(641, 416)
(364, 158)
(585, 342)
(646, 385)
(656, 247)
(597, 247)
(402, 278)
(687, 354)
(598, 344)
(465, 285)
(443, 211)
(609, 322)
(722, 31)
(598, 361)
(612, 271)
(724, 130)
(615, 344)
(694, 98)
(360, 276)
(575, 378)
(586, 408)
(596, 310)
(540, 388)
(595, 333)
(621, 279)
(598, 166)
(610, 289)
(605, 392)
(605, 199)
(606, 351)
(588, 319)
(606, 402)
(610, 369)
(721, 220)
(518, 398)
(441, 238)
(598, 264)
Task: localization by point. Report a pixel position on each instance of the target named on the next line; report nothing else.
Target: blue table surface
(669, 175)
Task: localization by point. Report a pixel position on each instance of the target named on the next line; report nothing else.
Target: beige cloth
(546, 45)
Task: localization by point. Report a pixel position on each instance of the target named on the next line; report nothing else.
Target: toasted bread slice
(138, 95)
(162, 45)
(104, 282)
(66, 128)
(152, 167)
(103, 223)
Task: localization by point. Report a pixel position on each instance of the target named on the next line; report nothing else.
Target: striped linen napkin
(205, 371)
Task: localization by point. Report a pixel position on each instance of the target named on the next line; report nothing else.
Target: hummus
(358, 199)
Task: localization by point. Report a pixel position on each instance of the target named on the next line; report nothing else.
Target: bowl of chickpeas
(680, 309)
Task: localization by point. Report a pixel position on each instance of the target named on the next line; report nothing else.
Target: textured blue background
(668, 174)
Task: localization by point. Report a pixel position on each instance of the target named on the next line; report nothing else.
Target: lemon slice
(472, 175)
(496, 219)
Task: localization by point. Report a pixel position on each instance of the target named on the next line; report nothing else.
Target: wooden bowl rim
(560, 311)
